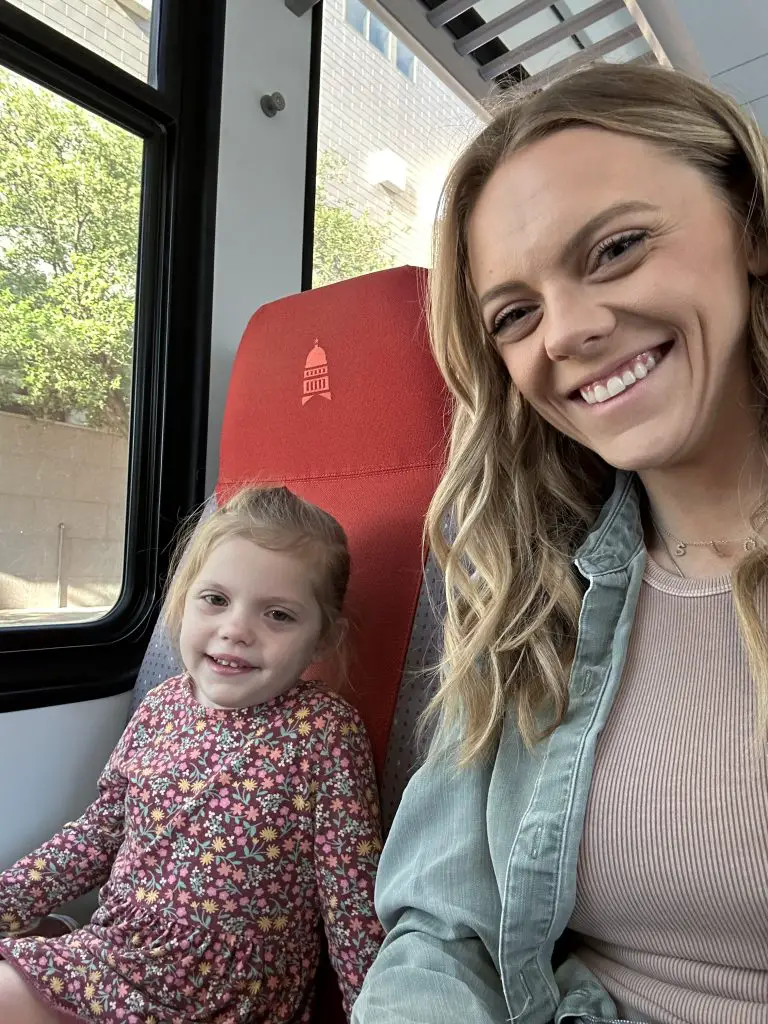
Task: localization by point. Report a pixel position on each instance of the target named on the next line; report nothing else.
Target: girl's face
(251, 624)
(614, 283)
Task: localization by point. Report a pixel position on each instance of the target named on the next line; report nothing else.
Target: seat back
(335, 394)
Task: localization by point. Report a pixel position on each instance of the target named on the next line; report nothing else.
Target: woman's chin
(641, 454)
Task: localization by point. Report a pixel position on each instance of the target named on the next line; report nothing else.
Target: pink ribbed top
(672, 901)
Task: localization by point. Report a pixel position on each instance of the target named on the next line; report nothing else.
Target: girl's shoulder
(317, 699)
(162, 708)
(173, 690)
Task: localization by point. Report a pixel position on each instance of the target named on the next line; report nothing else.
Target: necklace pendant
(750, 544)
(681, 548)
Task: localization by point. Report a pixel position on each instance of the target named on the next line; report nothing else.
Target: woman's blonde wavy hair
(519, 496)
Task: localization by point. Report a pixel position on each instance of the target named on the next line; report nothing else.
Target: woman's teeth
(639, 368)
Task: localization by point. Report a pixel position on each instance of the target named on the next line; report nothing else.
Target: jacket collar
(617, 536)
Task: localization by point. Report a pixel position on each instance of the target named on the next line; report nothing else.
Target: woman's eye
(613, 249)
(214, 599)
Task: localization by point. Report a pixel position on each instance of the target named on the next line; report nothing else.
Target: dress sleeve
(347, 847)
(77, 858)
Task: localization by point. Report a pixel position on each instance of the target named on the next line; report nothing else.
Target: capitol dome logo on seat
(316, 382)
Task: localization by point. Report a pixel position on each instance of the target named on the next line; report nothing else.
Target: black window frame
(66, 662)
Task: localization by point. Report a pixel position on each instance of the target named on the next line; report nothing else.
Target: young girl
(238, 809)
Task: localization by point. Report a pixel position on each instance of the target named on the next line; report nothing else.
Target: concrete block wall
(51, 474)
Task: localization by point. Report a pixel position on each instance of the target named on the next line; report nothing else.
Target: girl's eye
(277, 615)
(511, 318)
(216, 600)
(612, 249)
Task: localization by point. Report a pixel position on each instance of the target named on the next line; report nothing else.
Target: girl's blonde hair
(520, 496)
(274, 518)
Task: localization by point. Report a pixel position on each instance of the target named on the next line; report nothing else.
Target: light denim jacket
(477, 880)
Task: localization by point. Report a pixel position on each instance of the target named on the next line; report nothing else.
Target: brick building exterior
(370, 108)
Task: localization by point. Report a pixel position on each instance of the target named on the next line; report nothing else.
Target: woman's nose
(574, 321)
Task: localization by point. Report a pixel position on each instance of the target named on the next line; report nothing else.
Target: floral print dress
(224, 838)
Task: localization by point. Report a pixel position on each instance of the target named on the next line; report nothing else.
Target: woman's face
(613, 280)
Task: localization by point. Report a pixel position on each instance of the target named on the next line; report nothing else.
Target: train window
(70, 185)
(118, 30)
(107, 186)
(387, 135)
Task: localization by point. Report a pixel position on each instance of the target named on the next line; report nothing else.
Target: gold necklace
(671, 557)
(681, 546)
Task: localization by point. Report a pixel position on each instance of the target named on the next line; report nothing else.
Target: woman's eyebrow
(578, 240)
(594, 224)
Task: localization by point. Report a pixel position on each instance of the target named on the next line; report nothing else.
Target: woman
(588, 838)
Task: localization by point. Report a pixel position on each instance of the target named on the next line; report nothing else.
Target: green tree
(70, 186)
(345, 244)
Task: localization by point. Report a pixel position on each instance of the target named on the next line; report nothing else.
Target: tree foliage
(70, 186)
(70, 190)
(346, 244)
